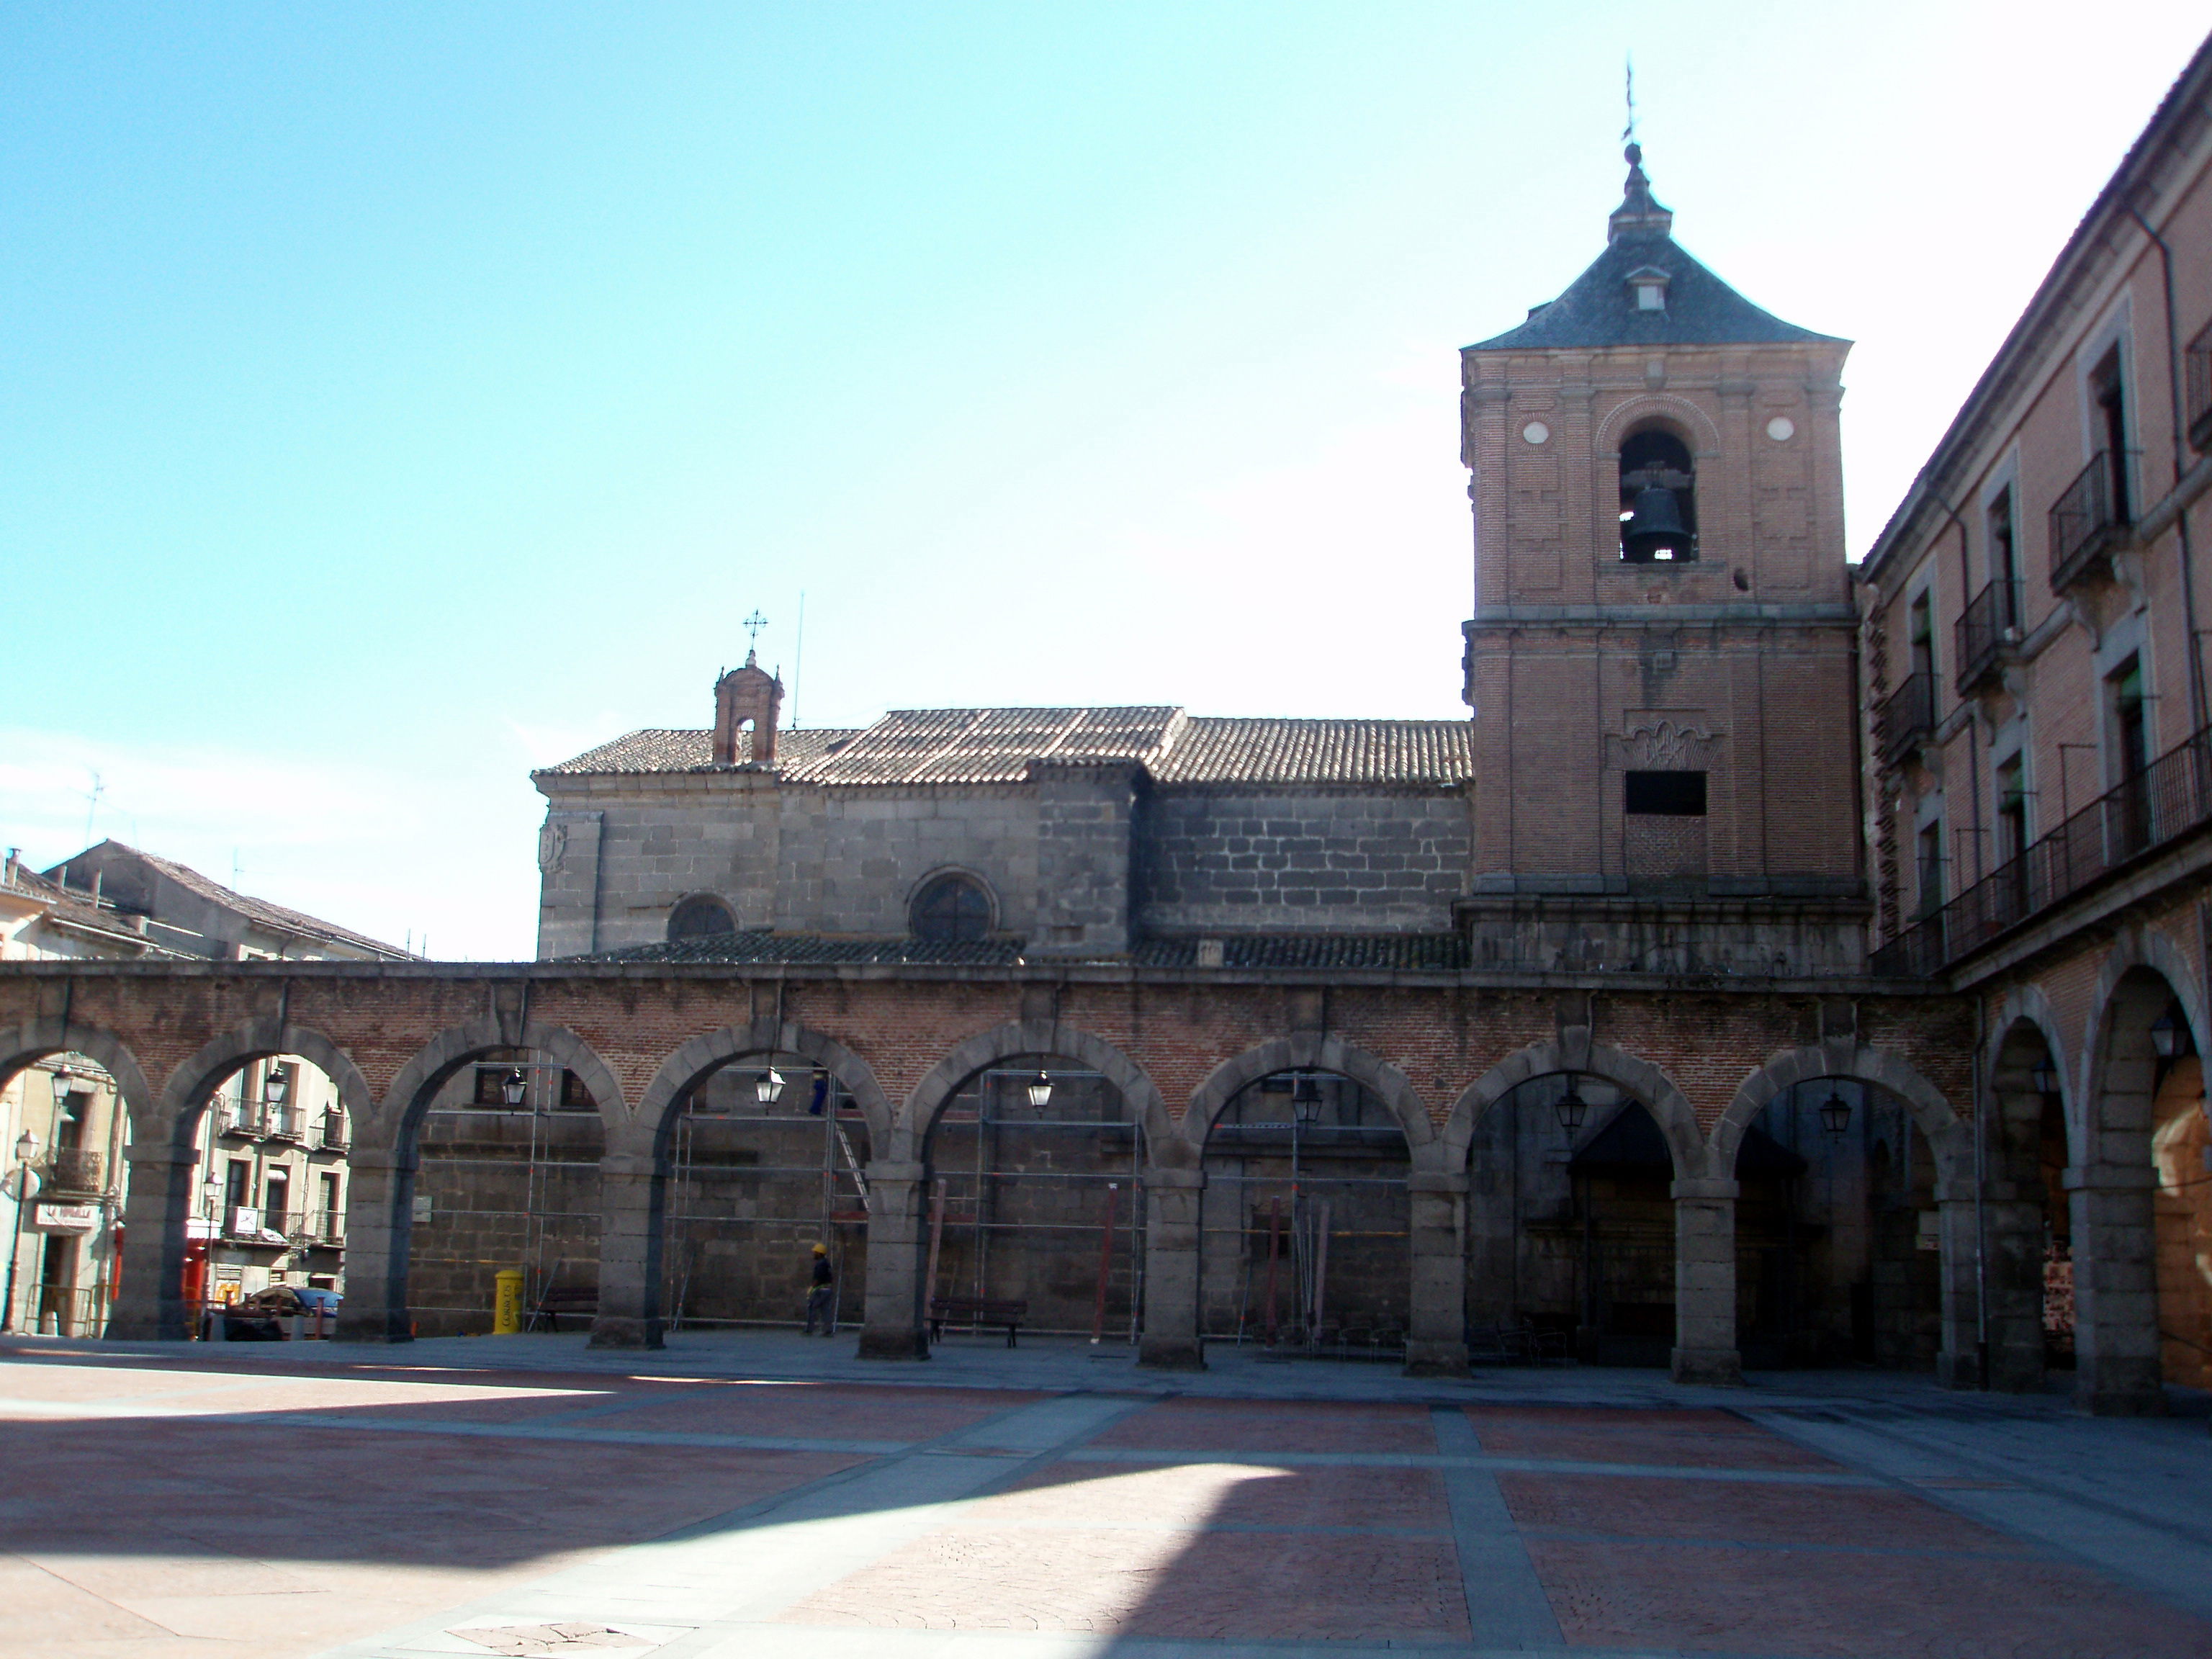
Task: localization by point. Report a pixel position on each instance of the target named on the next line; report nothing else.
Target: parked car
(266, 1316)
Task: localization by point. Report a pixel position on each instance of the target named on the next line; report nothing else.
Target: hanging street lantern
(64, 1086)
(1572, 1108)
(1835, 1113)
(2166, 1035)
(2045, 1076)
(1039, 1093)
(275, 1085)
(1305, 1100)
(27, 1147)
(769, 1088)
(514, 1088)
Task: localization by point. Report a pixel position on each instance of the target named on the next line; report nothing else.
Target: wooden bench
(582, 1300)
(976, 1310)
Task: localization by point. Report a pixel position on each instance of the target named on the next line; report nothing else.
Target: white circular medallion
(1782, 429)
(1535, 432)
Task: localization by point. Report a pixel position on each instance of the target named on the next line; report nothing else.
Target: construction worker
(822, 1295)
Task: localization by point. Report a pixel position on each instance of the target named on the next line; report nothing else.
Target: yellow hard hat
(821, 1250)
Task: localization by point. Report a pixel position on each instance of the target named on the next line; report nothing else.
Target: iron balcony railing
(330, 1133)
(2196, 387)
(1906, 716)
(326, 1226)
(75, 1170)
(237, 1118)
(2089, 517)
(1987, 630)
(282, 1123)
(2170, 797)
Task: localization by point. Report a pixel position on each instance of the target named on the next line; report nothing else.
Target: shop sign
(65, 1217)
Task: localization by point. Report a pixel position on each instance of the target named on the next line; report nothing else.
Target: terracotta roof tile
(1000, 745)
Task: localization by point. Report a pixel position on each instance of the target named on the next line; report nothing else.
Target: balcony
(330, 1133)
(2088, 520)
(1987, 634)
(1906, 717)
(2168, 799)
(326, 1228)
(2196, 390)
(282, 1123)
(77, 1171)
(235, 1117)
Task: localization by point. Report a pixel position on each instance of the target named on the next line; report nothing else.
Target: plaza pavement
(760, 1496)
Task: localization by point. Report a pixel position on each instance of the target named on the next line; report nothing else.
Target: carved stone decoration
(552, 847)
(1664, 746)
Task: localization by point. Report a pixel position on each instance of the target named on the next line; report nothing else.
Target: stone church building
(1784, 964)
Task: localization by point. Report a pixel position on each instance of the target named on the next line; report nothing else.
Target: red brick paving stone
(1652, 1506)
(1169, 1586)
(1213, 1494)
(1687, 1439)
(1263, 1426)
(1852, 1606)
(823, 1411)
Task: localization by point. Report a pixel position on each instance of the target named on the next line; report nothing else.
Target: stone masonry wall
(1277, 860)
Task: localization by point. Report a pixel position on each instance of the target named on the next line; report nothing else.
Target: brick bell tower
(1662, 658)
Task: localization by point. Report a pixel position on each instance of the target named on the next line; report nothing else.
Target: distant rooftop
(1000, 746)
(270, 918)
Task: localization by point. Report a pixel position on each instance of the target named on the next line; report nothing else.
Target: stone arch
(1311, 1051)
(1028, 1036)
(2027, 1005)
(190, 1083)
(34, 1039)
(2114, 1012)
(419, 1080)
(1669, 1108)
(1704, 436)
(1949, 1136)
(683, 1070)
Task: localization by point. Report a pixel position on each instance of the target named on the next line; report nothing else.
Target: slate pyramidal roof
(1005, 745)
(1599, 307)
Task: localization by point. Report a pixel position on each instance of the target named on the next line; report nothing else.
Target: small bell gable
(747, 702)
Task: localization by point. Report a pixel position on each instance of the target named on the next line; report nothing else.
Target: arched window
(950, 909)
(1658, 499)
(700, 916)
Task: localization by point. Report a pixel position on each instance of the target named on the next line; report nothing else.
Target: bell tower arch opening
(1658, 496)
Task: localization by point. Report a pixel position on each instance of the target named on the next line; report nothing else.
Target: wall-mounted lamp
(1572, 1108)
(275, 1085)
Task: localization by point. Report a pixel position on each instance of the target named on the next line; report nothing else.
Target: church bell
(1654, 529)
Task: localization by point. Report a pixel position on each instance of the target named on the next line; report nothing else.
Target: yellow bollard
(507, 1304)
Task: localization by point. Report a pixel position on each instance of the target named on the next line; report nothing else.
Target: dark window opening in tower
(700, 916)
(953, 909)
(1658, 499)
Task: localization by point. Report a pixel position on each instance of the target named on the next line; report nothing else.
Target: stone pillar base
(2120, 1402)
(371, 1328)
(894, 1345)
(612, 1331)
(1716, 1367)
(1168, 1353)
(1957, 1371)
(1435, 1359)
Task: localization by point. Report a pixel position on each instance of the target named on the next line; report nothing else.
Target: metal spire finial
(1628, 132)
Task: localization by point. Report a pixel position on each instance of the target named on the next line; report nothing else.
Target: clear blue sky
(396, 398)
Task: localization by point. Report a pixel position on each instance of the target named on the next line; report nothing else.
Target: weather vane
(1628, 132)
(752, 625)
